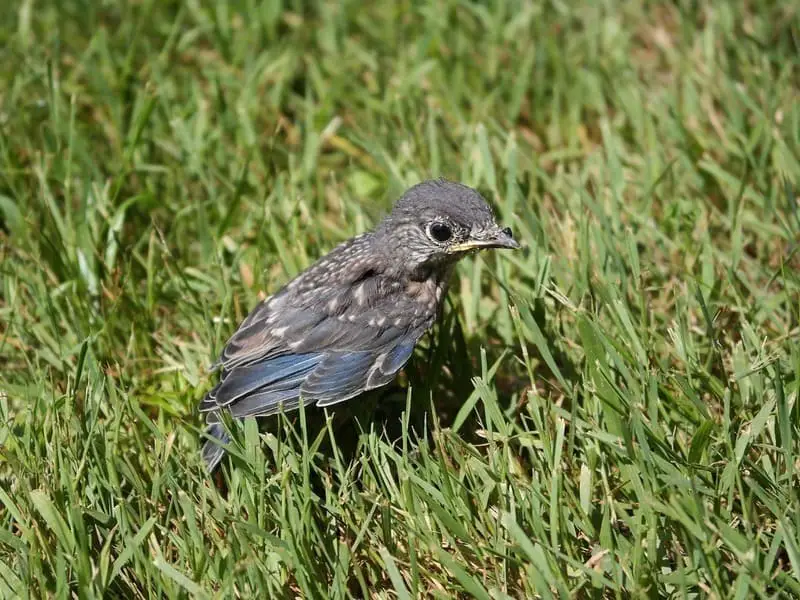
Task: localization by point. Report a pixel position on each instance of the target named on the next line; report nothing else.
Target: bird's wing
(283, 372)
(346, 281)
(320, 378)
(328, 343)
(340, 376)
(328, 360)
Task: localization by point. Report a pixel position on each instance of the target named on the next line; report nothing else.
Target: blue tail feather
(213, 449)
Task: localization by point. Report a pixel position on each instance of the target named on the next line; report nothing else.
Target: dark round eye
(440, 232)
(508, 232)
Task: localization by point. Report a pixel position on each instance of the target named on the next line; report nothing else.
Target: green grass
(612, 413)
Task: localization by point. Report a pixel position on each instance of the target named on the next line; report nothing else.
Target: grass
(611, 413)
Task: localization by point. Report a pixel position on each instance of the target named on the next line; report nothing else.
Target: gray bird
(350, 321)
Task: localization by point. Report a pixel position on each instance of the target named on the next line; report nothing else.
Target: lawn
(613, 412)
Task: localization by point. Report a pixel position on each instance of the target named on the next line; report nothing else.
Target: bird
(350, 321)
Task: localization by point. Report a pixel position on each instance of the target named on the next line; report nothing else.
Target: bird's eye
(440, 232)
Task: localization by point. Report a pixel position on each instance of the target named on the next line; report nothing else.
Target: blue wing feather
(339, 377)
(344, 375)
(397, 357)
(258, 377)
(263, 404)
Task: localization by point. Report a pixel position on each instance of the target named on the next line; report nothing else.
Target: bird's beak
(494, 237)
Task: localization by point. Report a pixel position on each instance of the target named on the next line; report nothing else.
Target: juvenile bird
(350, 321)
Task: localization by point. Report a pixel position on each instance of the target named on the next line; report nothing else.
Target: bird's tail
(214, 448)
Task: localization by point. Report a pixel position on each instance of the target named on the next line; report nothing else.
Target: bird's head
(435, 223)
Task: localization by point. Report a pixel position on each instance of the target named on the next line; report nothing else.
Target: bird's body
(350, 321)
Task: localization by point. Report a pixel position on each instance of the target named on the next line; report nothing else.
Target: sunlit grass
(611, 413)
